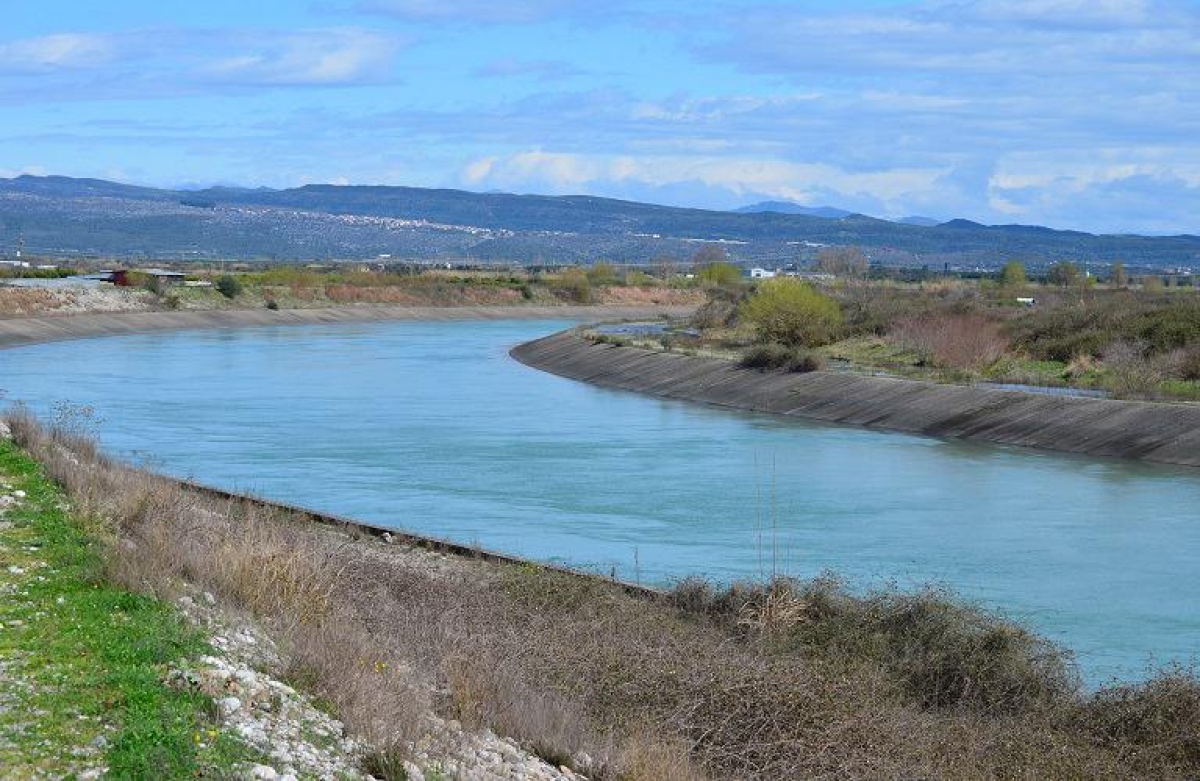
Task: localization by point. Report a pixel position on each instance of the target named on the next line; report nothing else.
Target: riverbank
(15, 332)
(1148, 431)
(412, 648)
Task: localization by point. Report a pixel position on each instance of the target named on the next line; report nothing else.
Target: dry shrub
(1080, 366)
(647, 758)
(952, 341)
(1183, 363)
(1155, 725)
(23, 302)
(1129, 371)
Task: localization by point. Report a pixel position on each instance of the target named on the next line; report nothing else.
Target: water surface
(431, 427)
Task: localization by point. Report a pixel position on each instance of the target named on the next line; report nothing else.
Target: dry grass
(784, 680)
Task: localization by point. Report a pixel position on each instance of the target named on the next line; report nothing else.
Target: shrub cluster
(791, 312)
(780, 356)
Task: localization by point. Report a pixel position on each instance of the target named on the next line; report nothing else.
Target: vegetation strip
(1165, 433)
(82, 662)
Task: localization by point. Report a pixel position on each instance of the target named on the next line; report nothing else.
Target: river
(432, 427)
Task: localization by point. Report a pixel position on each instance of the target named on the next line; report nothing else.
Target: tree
(1063, 273)
(229, 286)
(1117, 277)
(719, 274)
(791, 312)
(1012, 275)
(842, 261)
(710, 254)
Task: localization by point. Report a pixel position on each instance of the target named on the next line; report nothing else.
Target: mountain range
(63, 216)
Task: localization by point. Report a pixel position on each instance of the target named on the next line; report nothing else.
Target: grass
(84, 661)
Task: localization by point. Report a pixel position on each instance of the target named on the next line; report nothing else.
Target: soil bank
(1148, 431)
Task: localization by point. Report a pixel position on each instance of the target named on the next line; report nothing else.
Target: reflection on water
(430, 426)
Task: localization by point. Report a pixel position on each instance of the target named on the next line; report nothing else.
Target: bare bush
(1129, 371)
(952, 341)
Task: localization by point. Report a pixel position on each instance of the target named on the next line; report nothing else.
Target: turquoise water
(431, 427)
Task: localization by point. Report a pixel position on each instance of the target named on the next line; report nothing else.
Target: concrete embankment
(48, 328)
(1159, 432)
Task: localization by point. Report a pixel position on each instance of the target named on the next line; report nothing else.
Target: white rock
(263, 771)
(19, 494)
(229, 705)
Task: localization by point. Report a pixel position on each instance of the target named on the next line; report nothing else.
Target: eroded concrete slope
(1160, 432)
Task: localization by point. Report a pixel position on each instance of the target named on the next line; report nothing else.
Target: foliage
(719, 274)
(228, 286)
(575, 285)
(1012, 275)
(1066, 332)
(791, 312)
(1117, 276)
(601, 274)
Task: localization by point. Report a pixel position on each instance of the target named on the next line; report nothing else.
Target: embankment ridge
(18, 331)
(1148, 431)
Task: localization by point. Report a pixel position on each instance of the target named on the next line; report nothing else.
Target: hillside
(65, 216)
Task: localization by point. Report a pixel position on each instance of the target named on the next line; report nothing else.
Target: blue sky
(1073, 113)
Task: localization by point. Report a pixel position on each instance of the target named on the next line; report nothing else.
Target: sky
(1080, 114)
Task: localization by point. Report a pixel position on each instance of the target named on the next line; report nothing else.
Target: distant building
(761, 273)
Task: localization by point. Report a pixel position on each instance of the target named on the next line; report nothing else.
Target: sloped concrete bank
(15, 332)
(1158, 432)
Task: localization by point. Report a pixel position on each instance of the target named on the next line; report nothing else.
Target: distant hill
(64, 216)
(916, 219)
(787, 207)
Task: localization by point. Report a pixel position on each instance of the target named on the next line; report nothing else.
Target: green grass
(84, 662)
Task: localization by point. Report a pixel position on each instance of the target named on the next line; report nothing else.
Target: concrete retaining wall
(1166, 433)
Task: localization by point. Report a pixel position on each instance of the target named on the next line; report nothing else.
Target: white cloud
(314, 57)
(800, 181)
(59, 51)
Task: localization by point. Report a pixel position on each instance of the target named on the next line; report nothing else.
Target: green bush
(229, 286)
(719, 274)
(1012, 275)
(791, 312)
(574, 285)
